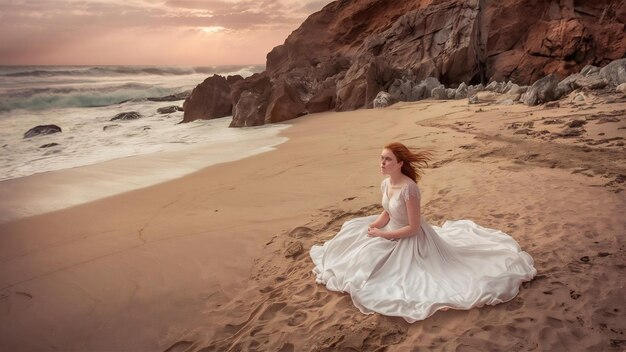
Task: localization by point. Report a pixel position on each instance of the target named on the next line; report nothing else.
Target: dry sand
(200, 263)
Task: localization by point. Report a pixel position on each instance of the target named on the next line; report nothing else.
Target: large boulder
(249, 111)
(255, 92)
(209, 100)
(439, 93)
(542, 91)
(383, 100)
(580, 80)
(615, 72)
(400, 90)
(42, 130)
(461, 91)
(284, 103)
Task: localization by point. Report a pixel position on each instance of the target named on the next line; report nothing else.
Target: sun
(211, 29)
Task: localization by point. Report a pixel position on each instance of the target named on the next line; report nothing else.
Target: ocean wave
(52, 71)
(45, 87)
(45, 98)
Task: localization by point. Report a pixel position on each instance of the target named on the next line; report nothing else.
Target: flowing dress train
(459, 265)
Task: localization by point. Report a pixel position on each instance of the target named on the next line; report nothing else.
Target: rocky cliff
(342, 56)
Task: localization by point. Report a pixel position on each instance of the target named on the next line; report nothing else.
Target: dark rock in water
(250, 110)
(41, 130)
(49, 145)
(169, 109)
(251, 95)
(209, 100)
(108, 127)
(172, 97)
(129, 115)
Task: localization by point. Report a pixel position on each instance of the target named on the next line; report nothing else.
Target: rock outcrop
(342, 56)
(42, 130)
(209, 100)
(250, 97)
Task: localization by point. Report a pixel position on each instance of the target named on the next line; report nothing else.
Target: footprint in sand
(17, 301)
(297, 318)
(554, 322)
(307, 290)
(443, 191)
(271, 311)
(288, 347)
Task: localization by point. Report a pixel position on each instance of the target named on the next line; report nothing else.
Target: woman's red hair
(412, 163)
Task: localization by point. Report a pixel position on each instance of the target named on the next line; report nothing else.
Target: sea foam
(83, 104)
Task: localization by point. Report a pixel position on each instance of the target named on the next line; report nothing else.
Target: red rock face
(527, 40)
(358, 47)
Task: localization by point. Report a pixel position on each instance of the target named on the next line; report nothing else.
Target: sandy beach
(218, 260)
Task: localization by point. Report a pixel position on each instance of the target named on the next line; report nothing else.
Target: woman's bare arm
(413, 211)
(381, 220)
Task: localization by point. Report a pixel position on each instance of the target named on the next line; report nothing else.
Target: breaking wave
(48, 87)
(43, 71)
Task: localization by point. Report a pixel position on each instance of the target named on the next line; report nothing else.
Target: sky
(142, 32)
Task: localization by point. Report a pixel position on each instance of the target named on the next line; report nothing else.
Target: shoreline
(199, 261)
(59, 189)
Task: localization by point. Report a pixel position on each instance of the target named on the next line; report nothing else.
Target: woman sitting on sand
(397, 264)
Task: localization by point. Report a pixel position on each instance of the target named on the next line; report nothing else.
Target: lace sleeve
(411, 191)
(383, 186)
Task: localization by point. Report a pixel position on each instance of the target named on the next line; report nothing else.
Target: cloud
(35, 29)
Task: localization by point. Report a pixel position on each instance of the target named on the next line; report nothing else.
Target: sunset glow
(138, 32)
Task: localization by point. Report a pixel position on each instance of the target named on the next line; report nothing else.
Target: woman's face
(388, 163)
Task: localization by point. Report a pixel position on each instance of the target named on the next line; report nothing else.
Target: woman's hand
(375, 232)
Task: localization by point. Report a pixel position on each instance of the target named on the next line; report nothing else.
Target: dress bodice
(396, 204)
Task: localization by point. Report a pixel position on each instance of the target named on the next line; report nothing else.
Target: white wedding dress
(460, 265)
